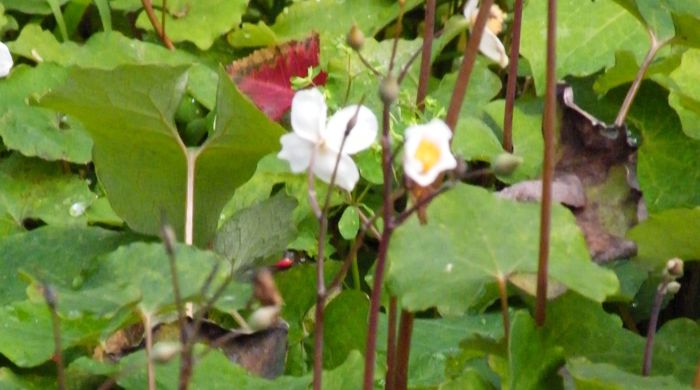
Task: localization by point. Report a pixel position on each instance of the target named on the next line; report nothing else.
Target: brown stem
(391, 346)
(388, 215)
(512, 78)
(634, 88)
(148, 7)
(548, 165)
(465, 70)
(403, 350)
(696, 380)
(651, 330)
(428, 34)
(352, 254)
(397, 34)
(367, 64)
(320, 278)
(51, 302)
(503, 296)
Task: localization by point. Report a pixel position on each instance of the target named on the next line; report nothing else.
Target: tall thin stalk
(148, 7)
(548, 124)
(465, 70)
(388, 216)
(399, 377)
(512, 77)
(391, 346)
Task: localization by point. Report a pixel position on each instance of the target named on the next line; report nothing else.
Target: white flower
(490, 45)
(427, 152)
(5, 60)
(313, 136)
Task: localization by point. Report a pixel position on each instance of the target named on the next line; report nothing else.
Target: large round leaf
(473, 239)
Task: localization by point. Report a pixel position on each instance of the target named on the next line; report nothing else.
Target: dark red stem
(465, 70)
(391, 346)
(548, 124)
(512, 77)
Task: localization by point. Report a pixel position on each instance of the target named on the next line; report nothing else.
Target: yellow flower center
(428, 154)
(495, 20)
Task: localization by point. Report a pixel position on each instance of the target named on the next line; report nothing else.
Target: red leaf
(265, 75)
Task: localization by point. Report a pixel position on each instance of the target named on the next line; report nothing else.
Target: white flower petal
(5, 60)
(309, 114)
(437, 134)
(361, 137)
(492, 48)
(297, 151)
(470, 9)
(347, 175)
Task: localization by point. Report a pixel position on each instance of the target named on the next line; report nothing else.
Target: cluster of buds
(672, 272)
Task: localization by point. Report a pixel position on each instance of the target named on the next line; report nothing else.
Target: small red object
(284, 264)
(264, 76)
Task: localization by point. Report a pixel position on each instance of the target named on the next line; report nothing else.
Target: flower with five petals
(427, 152)
(316, 143)
(490, 45)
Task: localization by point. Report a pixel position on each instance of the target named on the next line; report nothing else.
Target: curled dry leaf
(595, 175)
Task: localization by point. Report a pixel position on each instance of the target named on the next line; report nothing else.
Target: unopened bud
(389, 90)
(355, 38)
(164, 351)
(673, 287)
(264, 317)
(506, 163)
(674, 268)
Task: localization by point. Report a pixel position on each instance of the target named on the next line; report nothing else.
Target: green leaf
(139, 119)
(257, 232)
(685, 93)
(631, 275)
(110, 50)
(345, 319)
(527, 136)
(35, 189)
(601, 376)
(27, 337)
(671, 233)
(667, 166)
(532, 361)
(145, 268)
(484, 85)
(252, 35)
(469, 379)
(323, 16)
(37, 7)
(298, 287)
(36, 131)
(349, 223)
(199, 22)
(216, 372)
(625, 70)
(10, 381)
(35, 252)
(588, 35)
(677, 349)
(473, 239)
(435, 341)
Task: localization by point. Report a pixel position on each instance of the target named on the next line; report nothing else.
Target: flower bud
(674, 269)
(506, 163)
(355, 38)
(672, 288)
(164, 351)
(389, 90)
